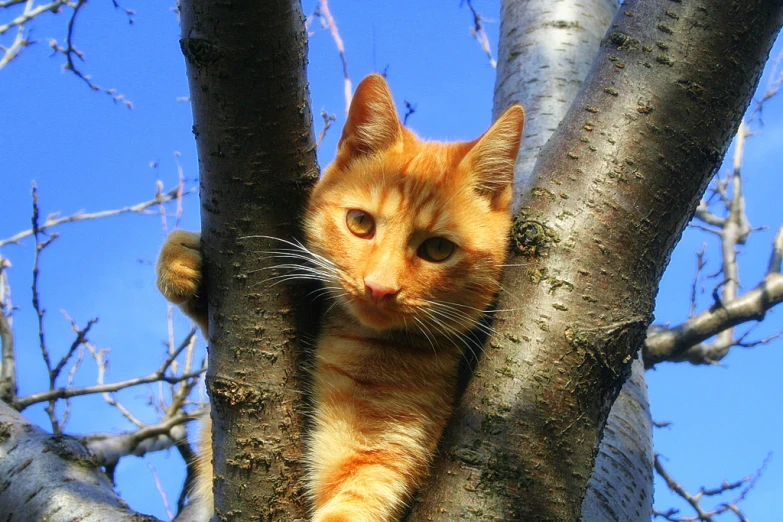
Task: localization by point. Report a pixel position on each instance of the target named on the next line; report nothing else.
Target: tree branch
(683, 342)
(612, 191)
(53, 220)
(53, 478)
(158, 375)
(253, 124)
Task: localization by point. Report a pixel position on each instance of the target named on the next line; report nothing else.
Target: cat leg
(179, 280)
(375, 430)
(367, 484)
(179, 275)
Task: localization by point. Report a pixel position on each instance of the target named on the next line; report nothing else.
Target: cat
(408, 238)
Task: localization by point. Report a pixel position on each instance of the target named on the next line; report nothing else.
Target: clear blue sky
(86, 153)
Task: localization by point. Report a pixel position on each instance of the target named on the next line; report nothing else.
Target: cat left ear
(372, 124)
(490, 163)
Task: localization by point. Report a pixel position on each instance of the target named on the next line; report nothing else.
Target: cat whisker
(487, 311)
(290, 277)
(470, 343)
(469, 322)
(324, 290)
(317, 260)
(426, 332)
(298, 246)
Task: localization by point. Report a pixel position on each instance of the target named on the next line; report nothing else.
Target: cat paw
(179, 267)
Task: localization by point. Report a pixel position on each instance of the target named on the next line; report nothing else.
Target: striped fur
(386, 363)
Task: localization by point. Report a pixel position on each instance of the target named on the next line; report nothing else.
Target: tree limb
(53, 478)
(612, 191)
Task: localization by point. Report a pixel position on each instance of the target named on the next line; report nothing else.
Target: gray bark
(53, 478)
(621, 487)
(252, 121)
(610, 196)
(546, 50)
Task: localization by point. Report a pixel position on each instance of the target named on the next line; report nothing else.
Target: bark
(610, 196)
(246, 66)
(52, 478)
(546, 51)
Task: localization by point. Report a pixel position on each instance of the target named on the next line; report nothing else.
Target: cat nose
(378, 291)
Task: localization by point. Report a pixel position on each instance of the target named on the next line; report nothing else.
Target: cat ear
(372, 124)
(490, 163)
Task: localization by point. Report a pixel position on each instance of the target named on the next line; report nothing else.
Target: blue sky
(86, 153)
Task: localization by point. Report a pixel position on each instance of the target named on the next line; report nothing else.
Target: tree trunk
(609, 197)
(246, 65)
(546, 51)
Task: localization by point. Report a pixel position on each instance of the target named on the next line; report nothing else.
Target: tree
(206, 54)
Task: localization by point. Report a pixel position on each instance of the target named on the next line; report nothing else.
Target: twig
(53, 220)
(70, 51)
(700, 263)
(480, 34)
(328, 120)
(161, 492)
(410, 108)
(39, 247)
(695, 499)
(156, 376)
(81, 337)
(324, 11)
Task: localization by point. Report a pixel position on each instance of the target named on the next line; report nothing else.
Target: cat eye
(360, 223)
(436, 249)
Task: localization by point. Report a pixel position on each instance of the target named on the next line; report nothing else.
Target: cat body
(408, 237)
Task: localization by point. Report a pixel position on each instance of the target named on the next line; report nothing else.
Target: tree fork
(610, 196)
(246, 67)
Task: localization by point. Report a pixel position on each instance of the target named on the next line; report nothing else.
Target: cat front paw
(179, 267)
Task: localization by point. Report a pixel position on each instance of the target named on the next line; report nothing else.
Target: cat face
(413, 233)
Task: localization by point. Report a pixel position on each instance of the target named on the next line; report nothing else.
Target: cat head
(412, 234)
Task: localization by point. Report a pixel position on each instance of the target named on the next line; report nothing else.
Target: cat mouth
(376, 316)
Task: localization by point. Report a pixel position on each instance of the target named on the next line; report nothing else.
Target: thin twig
(161, 492)
(348, 89)
(328, 120)
(53, 219)
(478, 32)
(156, 376)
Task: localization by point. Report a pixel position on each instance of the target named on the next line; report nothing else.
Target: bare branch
(54, 220)
(480, 35)
(776, 259)
(8, 386)
(109, 448)
(53, 475)
(695, 499)
(156, 376)
(328, 120)
(683, 342)
(161, 491)
(30, 12)
(323, 10)
(733, 230)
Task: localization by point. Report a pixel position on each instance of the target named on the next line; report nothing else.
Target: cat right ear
(372, 125)
(491, 160)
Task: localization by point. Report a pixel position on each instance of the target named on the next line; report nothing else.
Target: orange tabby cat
(408, 237)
